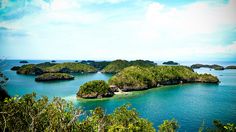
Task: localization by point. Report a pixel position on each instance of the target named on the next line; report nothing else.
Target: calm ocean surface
(190, 104)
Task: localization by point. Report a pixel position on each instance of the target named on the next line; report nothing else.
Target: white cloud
(155, 32)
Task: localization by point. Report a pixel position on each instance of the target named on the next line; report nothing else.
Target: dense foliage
(47, 67)
(118, 65)
(215, 67)
(99, 65)
(138, 78)
(70, 67)
(28, 114)
(168, 126)
(3, 81)
(54, 76)
(95, 89)
(27, 69)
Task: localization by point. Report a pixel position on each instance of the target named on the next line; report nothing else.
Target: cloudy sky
(118, 29)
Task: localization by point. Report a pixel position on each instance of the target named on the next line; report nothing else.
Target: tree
(3, 81)
(169, 126)
(27, 113)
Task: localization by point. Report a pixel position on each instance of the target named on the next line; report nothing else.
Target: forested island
(54, 76)
(135, 78)
(54, 71)
(230, 67)
(118, 65)
(170, 63)
(95, 89)
(215, 67)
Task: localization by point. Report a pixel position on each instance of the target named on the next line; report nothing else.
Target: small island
(230, 67)
(47, 67)
(118, 65)
(95, 89)
(23, 61)
(170, 63)
(140, 78)
(54, 76)
(135, 78)
(99, 65)
(15, 68)
(215, 67)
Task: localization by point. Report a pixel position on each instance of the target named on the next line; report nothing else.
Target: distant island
(23, 61)
(215, 67)
(54, 76)
(135, 78)
(90, 66)
(170, 63)
(118, 65)
(53, 71)
(230, 67)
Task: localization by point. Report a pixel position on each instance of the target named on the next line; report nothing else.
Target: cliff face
(95, 89)
(140, 78)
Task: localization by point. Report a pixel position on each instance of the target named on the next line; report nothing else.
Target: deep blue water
(190, 104)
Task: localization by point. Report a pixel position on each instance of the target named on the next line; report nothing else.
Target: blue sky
(118, 29)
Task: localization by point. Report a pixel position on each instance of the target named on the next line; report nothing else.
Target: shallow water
(190, 104)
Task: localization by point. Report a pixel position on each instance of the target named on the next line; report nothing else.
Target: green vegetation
(230, 67)
(219, 127)
(99, 65)
(207, 78)
(139, 78)
(169, 126)
(95, 89)
(170, 63)
(27, 69)
(215, 67)
(118, 65)
(54, 76)
(70, 67)
(3, 81)
(27, 113)
(47, 67)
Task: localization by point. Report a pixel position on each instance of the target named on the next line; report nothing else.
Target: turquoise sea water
(190, 104)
